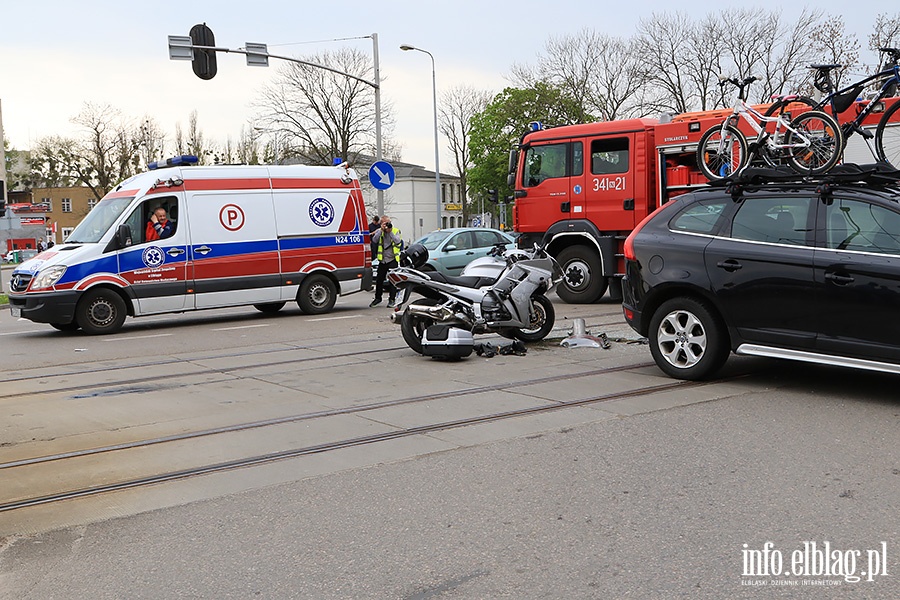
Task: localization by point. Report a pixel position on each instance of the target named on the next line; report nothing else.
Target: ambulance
(241, 235)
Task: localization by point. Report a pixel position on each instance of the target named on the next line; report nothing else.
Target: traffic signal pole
(183, 47)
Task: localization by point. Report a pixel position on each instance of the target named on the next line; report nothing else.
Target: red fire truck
(581, 189)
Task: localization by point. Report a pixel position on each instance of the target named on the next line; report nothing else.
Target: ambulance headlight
(48, 277)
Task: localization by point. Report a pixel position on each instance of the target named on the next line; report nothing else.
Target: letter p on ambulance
(231, 217)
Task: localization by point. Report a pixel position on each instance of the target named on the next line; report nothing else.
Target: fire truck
(581, 189)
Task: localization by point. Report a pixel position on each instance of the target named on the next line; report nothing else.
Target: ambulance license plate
(16, 311)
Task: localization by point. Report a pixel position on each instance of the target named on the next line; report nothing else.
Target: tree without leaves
(321, 115)
(885, 34)
(601, 73)
(832, 45)
(106, 154)
(457, 108)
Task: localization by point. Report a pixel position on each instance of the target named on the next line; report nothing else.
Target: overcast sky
(58, 55)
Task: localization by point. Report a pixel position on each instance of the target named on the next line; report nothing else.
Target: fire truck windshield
(98, 221)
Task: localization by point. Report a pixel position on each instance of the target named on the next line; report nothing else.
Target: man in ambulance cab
(159, 226)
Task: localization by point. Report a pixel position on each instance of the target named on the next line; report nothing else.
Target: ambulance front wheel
(100, 311)
(317, 295)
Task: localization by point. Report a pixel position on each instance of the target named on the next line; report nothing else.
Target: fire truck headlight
(48, 277)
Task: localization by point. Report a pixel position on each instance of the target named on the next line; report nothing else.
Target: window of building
(66, 232)
(92, 203)
(67, 205)
(48, 202)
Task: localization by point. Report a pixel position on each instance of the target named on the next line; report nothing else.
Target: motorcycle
(505, 294)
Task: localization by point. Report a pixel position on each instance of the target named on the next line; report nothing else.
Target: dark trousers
(381, 281)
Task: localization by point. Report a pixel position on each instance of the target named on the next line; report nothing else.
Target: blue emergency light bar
(175, 161)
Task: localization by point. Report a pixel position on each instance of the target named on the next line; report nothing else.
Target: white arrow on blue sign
(381, 175)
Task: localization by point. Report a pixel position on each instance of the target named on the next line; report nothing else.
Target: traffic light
(204, 63)
(2, 198)
(492, 196)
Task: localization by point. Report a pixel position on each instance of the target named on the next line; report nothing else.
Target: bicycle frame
(744, 111)
(893, 78)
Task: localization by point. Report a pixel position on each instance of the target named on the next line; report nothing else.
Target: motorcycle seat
(462, 281)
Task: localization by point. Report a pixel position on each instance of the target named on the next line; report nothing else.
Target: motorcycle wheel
(542, 322)
(413, 326)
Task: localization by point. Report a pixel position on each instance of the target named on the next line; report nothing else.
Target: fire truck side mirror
(204, 63)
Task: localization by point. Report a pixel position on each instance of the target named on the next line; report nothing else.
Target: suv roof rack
(876, 174)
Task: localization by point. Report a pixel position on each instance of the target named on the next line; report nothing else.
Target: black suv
(805, 270)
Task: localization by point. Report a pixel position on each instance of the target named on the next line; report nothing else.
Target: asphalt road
(625, 492)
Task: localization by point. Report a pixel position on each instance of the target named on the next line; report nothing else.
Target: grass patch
(3, 299)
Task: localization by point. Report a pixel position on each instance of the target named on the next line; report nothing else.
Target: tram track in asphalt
(94, 368)
(325, 447)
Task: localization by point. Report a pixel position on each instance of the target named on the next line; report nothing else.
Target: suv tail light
(629, 241)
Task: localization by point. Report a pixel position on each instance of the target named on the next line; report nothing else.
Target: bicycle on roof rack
(887, 134)
(810, 144)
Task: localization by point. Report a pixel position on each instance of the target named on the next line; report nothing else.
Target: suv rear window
(774, 220)
(861, 226)
(698, 217)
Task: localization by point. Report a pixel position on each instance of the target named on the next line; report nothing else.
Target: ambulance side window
(139, 220)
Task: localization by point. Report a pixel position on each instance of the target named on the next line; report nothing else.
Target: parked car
(450, 250)
(17, 256)
(807, 271)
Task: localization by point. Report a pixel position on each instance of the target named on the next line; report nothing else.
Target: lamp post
(437, 165)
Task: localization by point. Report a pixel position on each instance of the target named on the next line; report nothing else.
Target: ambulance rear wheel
(269, 308)
(317, 295)
(100, 311)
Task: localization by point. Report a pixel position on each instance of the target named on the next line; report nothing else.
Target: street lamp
(437, 166)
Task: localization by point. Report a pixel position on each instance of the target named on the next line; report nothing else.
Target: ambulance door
(157, 268)
(234, 250)
(609, 189)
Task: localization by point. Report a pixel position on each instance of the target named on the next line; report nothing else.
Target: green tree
(495, 130)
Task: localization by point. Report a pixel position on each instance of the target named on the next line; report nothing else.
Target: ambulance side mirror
(123, 237)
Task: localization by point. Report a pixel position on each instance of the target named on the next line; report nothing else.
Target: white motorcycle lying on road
(507, 295)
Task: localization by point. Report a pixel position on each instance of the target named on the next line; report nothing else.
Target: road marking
(23, 331)
(335, 318)
(241, 327)
(137, 337)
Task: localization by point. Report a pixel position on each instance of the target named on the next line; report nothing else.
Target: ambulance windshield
(98, 221)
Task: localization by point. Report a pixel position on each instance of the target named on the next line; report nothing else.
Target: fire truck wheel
(317, 295)
(100, 311)
(583, 281)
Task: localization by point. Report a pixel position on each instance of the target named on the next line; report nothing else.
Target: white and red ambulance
(240, 235)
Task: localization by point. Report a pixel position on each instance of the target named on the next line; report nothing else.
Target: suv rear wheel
(687, 341)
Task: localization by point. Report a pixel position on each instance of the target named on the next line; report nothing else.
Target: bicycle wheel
(826, 141)
(887, 137)
(722, 151)
(779, 107)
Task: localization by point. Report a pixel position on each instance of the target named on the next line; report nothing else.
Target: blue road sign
(381, 175)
